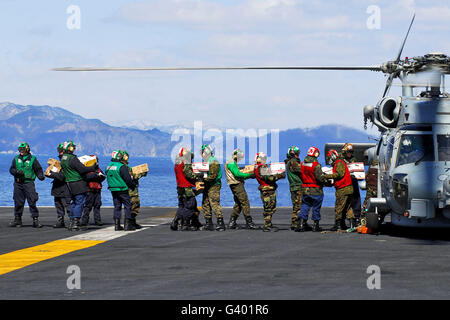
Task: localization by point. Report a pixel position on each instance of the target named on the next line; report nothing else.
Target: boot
(337, 225)
(294, 224)
(187, 225)
(249, 223)
(195, 223)
(133, 218)
(129, 225)
(117, 226)
(76, 224)
(343, 225)
(209, 226)
(36, 223)
(174, 224)
(17, 223)
(353, 223)
(69, 227)
(301, 226)
(316, 227)
(98, 223)
(270, 228)
(232, 224)
(220, 225)
(59, 223)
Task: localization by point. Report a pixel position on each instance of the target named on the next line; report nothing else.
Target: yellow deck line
(21, 258)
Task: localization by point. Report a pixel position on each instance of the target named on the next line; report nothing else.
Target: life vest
(308, 177)
(26, 165)
(346, 180)
(261, 182)
(70, 173)
(115, 181)
(182, 181)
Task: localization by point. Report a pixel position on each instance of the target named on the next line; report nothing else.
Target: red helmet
(332, 156)
(313, 152)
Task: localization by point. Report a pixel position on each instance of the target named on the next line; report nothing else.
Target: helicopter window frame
(441, 154)
(416, 133)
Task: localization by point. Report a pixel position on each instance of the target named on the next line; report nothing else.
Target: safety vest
(26, 165)
(182, 181)
(346, 180)
(70, 174)
(95, 185)
(115, 181)
(261, 182)
(308, 177)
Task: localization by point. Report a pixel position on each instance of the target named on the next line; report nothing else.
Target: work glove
(20, 174)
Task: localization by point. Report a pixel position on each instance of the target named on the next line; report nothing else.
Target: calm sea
(158, 188)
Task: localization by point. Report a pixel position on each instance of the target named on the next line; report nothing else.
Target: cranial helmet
(60, 147)
(185, 155)
(69, 146)
(24, 147)
(239, 154)
(294, 150)
(261, 158)
(125, 155)
(348, 147)
(332, 156)
(117, 155)
(313, 152)
(206, 151)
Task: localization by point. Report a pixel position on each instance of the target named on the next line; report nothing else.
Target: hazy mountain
(44, 127)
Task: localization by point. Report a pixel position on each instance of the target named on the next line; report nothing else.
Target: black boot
(187, 225)
(76, 224)
(17, 223)
(59, 223)
(117, 226)
(195, 223)
(301, 226)
(249, 223)
(232, 224)
(129, 225)
(337, 225)
(220, 225)
(36, 223)
(270, 228)
(316, 227)
(136, 225)
(209, 226)
(174, 224)
(343, 225)
(353, 223)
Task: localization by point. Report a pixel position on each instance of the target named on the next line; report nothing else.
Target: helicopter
(413, 150)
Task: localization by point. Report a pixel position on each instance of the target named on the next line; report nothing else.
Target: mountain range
(44, 127)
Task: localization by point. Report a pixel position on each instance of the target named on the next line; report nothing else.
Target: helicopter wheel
(373, 221)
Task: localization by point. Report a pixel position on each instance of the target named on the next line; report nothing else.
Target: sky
(163, 33)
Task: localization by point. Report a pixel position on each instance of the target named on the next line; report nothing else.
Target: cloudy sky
(161, 33)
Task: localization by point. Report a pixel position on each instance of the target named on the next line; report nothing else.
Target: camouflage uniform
(344, 196)
(134, 194)
(294, 173)
(211, 193)
(356, 201)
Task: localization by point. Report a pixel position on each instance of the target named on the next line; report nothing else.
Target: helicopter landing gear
(373, 221)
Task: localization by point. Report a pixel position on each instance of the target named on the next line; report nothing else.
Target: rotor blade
(371, 68)
(388, 84)
(404, 40)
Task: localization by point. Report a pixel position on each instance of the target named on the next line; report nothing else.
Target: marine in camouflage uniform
(344, 191)
(235, 179)
(371, 188)
(211, 193)
(134, 194)
(347, 156)
(294, 175)
(267, 188)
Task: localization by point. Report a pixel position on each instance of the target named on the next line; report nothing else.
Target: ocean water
(158, 188)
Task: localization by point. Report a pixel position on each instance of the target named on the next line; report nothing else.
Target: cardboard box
(53, 166)
(143, 168)
(359, 175)
(356, 167)
(277, 167)
(199, 185)
(327, 170)
(88, 160)
(198, 167)
(248, 169)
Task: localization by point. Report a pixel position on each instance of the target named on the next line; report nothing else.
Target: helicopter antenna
(395, 74)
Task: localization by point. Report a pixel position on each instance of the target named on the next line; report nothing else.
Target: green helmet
(60, 147)
(23, 146)
(117, 155)
(294, 150)
(125, 155)
(206, 151)
(69, 146)
(239, 154)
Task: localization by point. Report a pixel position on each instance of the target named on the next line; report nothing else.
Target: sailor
(93, 196)
(119, 182)
(347, 156)
(235, 179)
(74, 172)
(25, 168)
(60, 192)
(267, 187)
(312, 191)
(344, 191)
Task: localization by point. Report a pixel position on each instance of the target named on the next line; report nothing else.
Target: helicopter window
(415, 148)
(389, 151)
(443, 147)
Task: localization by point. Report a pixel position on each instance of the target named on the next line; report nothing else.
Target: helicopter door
(385, 163)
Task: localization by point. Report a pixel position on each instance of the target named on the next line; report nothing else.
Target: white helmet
(261, 158)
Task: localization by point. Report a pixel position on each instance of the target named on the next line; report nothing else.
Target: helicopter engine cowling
(388, 111)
